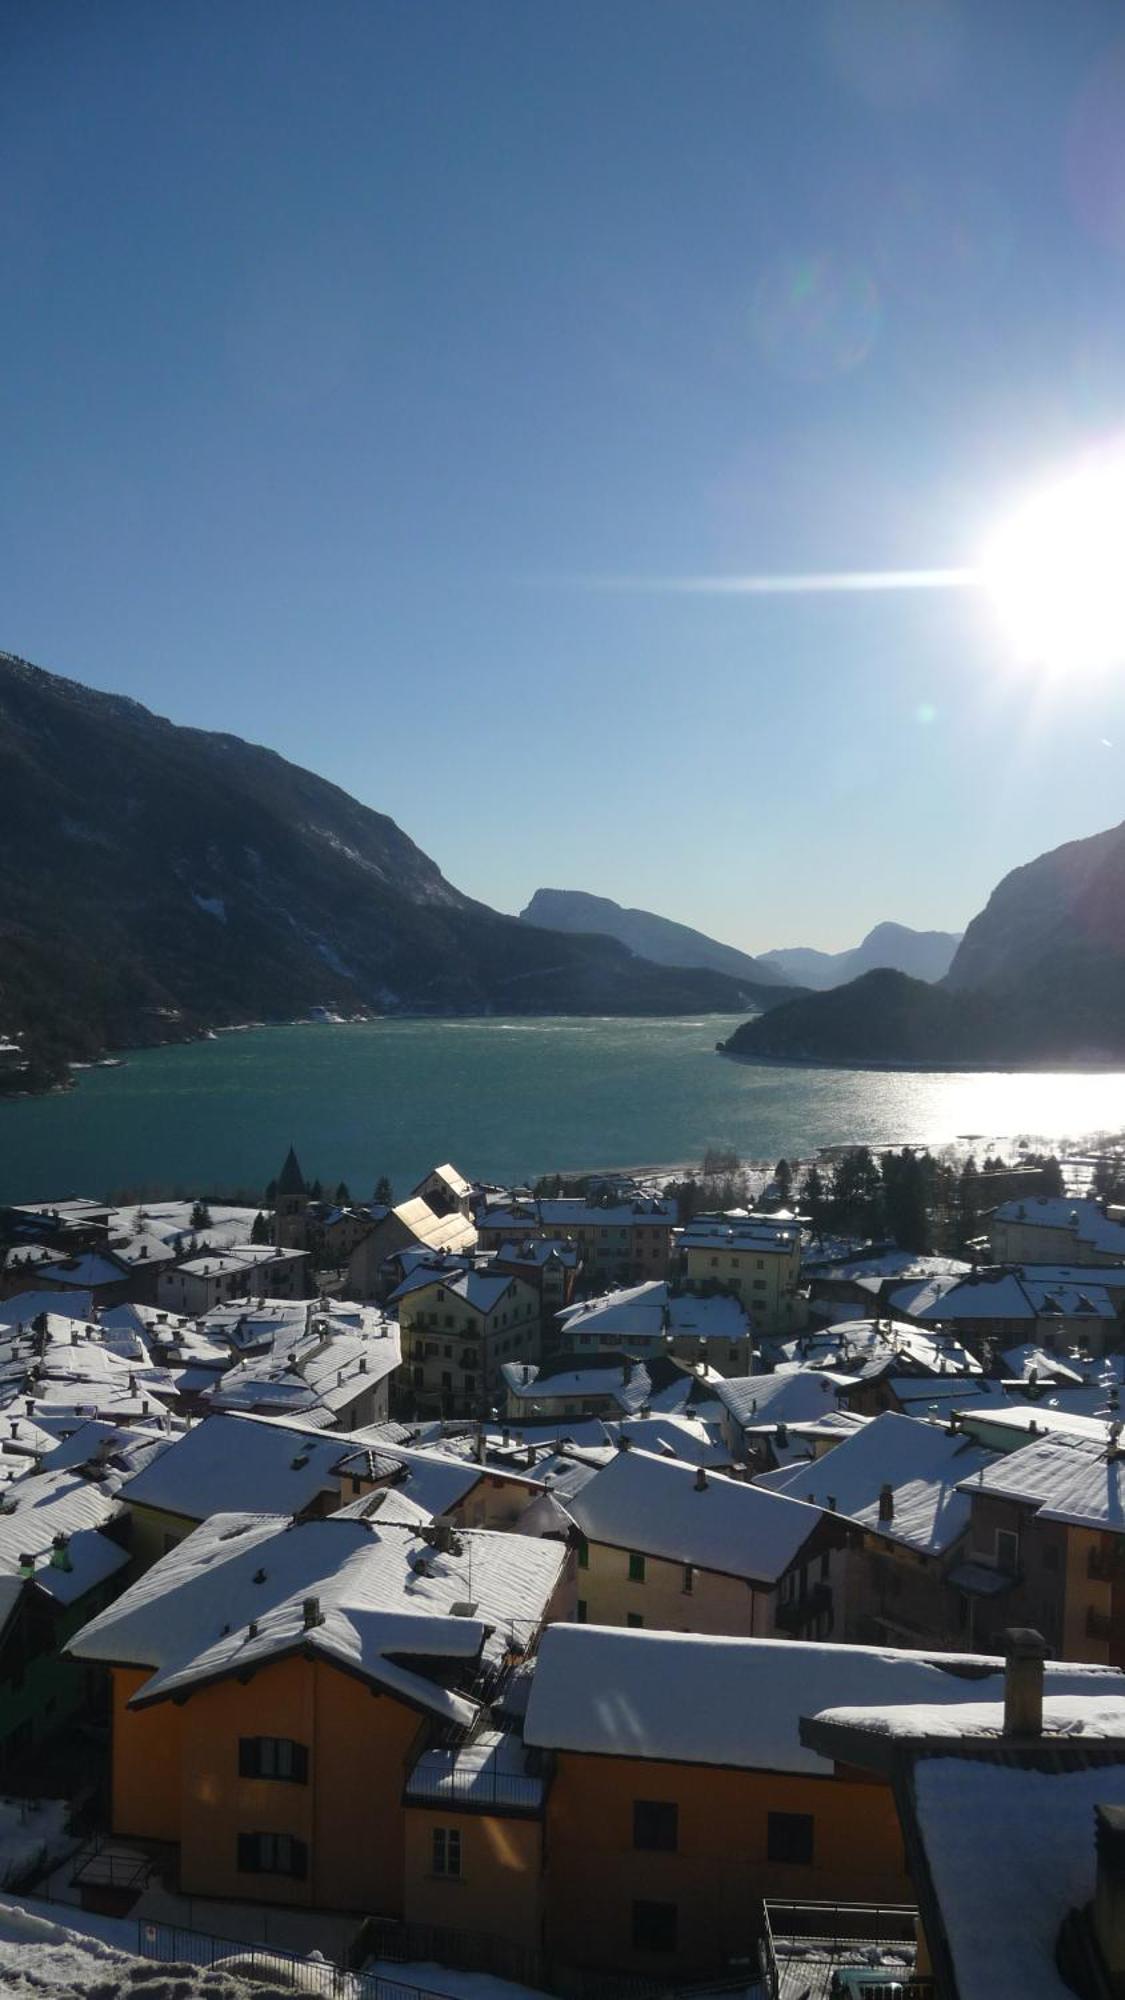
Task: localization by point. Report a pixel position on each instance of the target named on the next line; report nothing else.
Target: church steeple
(291, 1181)
(291, 1201)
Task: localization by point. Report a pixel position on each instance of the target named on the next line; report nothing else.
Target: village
(591, 1590)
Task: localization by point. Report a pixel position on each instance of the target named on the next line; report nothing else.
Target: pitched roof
(1077, 1480)
(686, 1698)
(383, 1600)
(229, 1462)
(921, 1462)
(657, 1507)
(653, 1310)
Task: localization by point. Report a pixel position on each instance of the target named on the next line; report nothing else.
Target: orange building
(683, 1794)
(272, 1679)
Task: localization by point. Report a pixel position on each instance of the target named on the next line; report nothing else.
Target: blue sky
(356, 355)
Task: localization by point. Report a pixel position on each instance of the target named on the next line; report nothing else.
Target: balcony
(805, 1946)
(799, 1612)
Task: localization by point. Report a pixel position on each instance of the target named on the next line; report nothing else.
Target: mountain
(1038, 979)
(157, 880)
(650, 936)
(923, 954)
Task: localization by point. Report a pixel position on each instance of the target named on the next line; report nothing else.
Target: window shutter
(299, 1859)
(300, 1757)
(247, 1757)
(247, 1852)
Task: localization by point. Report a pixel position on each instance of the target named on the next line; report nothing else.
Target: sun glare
(1056, 570)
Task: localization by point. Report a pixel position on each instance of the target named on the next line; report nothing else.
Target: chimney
(782, 1435)
(700, 1480)
(60, 1552)
(886, 1501)
(311, 1613)
(1024, 1653)
(1109, 1892)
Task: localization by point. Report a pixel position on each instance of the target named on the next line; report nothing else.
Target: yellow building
(272, 1679)
(673, 1547)
(755, 1257)
(458, 1328)
(1054, 1229)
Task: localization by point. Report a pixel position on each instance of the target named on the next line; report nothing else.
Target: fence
(170, 1944)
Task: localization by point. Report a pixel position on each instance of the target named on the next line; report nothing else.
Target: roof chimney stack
(1109, 1893)
(886, 1501)
(311, 1613)
(701, 1480)
(1024, 1653)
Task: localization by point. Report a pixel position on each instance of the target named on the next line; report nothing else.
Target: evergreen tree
(858, 1193)
(1051, 1176)
(384, 1192)
(815, 1200)
(968, 1215)
(260, 1232)
(316, 1192)
(200, 1215)
(342, 1195)
(783, 1175)
(905, 1197)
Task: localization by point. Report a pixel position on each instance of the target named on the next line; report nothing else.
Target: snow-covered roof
(686, 1698)
(661, 1507)
(492, 1769)
(792, 1396)
(482, 1291)
(753, 1234)
(923, 1465)
(1010, 1853)
(572, 1212)
(1006, 1295)
(1066, 1478)
(230, 1462)
(383, 1599)
(435, 1480)
(671, 1436)
(1056, 1211)
(1028, 1358)
(629, 1386)
(1097, 1715)
(653, 1310)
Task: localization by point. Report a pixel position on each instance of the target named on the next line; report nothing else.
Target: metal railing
(171, 1944)
(471, 1951)
(837, 1934)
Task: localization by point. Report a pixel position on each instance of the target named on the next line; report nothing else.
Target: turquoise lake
(504, 1099)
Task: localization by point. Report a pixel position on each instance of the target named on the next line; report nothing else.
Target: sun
(1056, 570)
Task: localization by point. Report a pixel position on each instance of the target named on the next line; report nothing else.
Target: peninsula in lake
(1038, 979)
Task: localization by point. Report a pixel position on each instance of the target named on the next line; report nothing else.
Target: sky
(374, 373)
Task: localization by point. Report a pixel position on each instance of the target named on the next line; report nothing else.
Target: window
(689, 1579)
(789, 1837)
(583, 1552)
(656, 1825)
(1007, 1550)
(636, 1569)
(447, 1850)
(654, 1926)
(470, 1383)
(446, 1379)
(273, 1757)
(634, 1618)
(581, 1608)
(272, 1854)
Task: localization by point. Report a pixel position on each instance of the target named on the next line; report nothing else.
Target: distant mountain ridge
(157, 880)
(923, 954)
(1038, 979)
(650, 936)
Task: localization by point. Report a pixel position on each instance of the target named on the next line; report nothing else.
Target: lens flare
(1056, 570)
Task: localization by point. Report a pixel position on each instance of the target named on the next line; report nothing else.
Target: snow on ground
(32, 1833)
(40, 1960)
(445, 1979)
